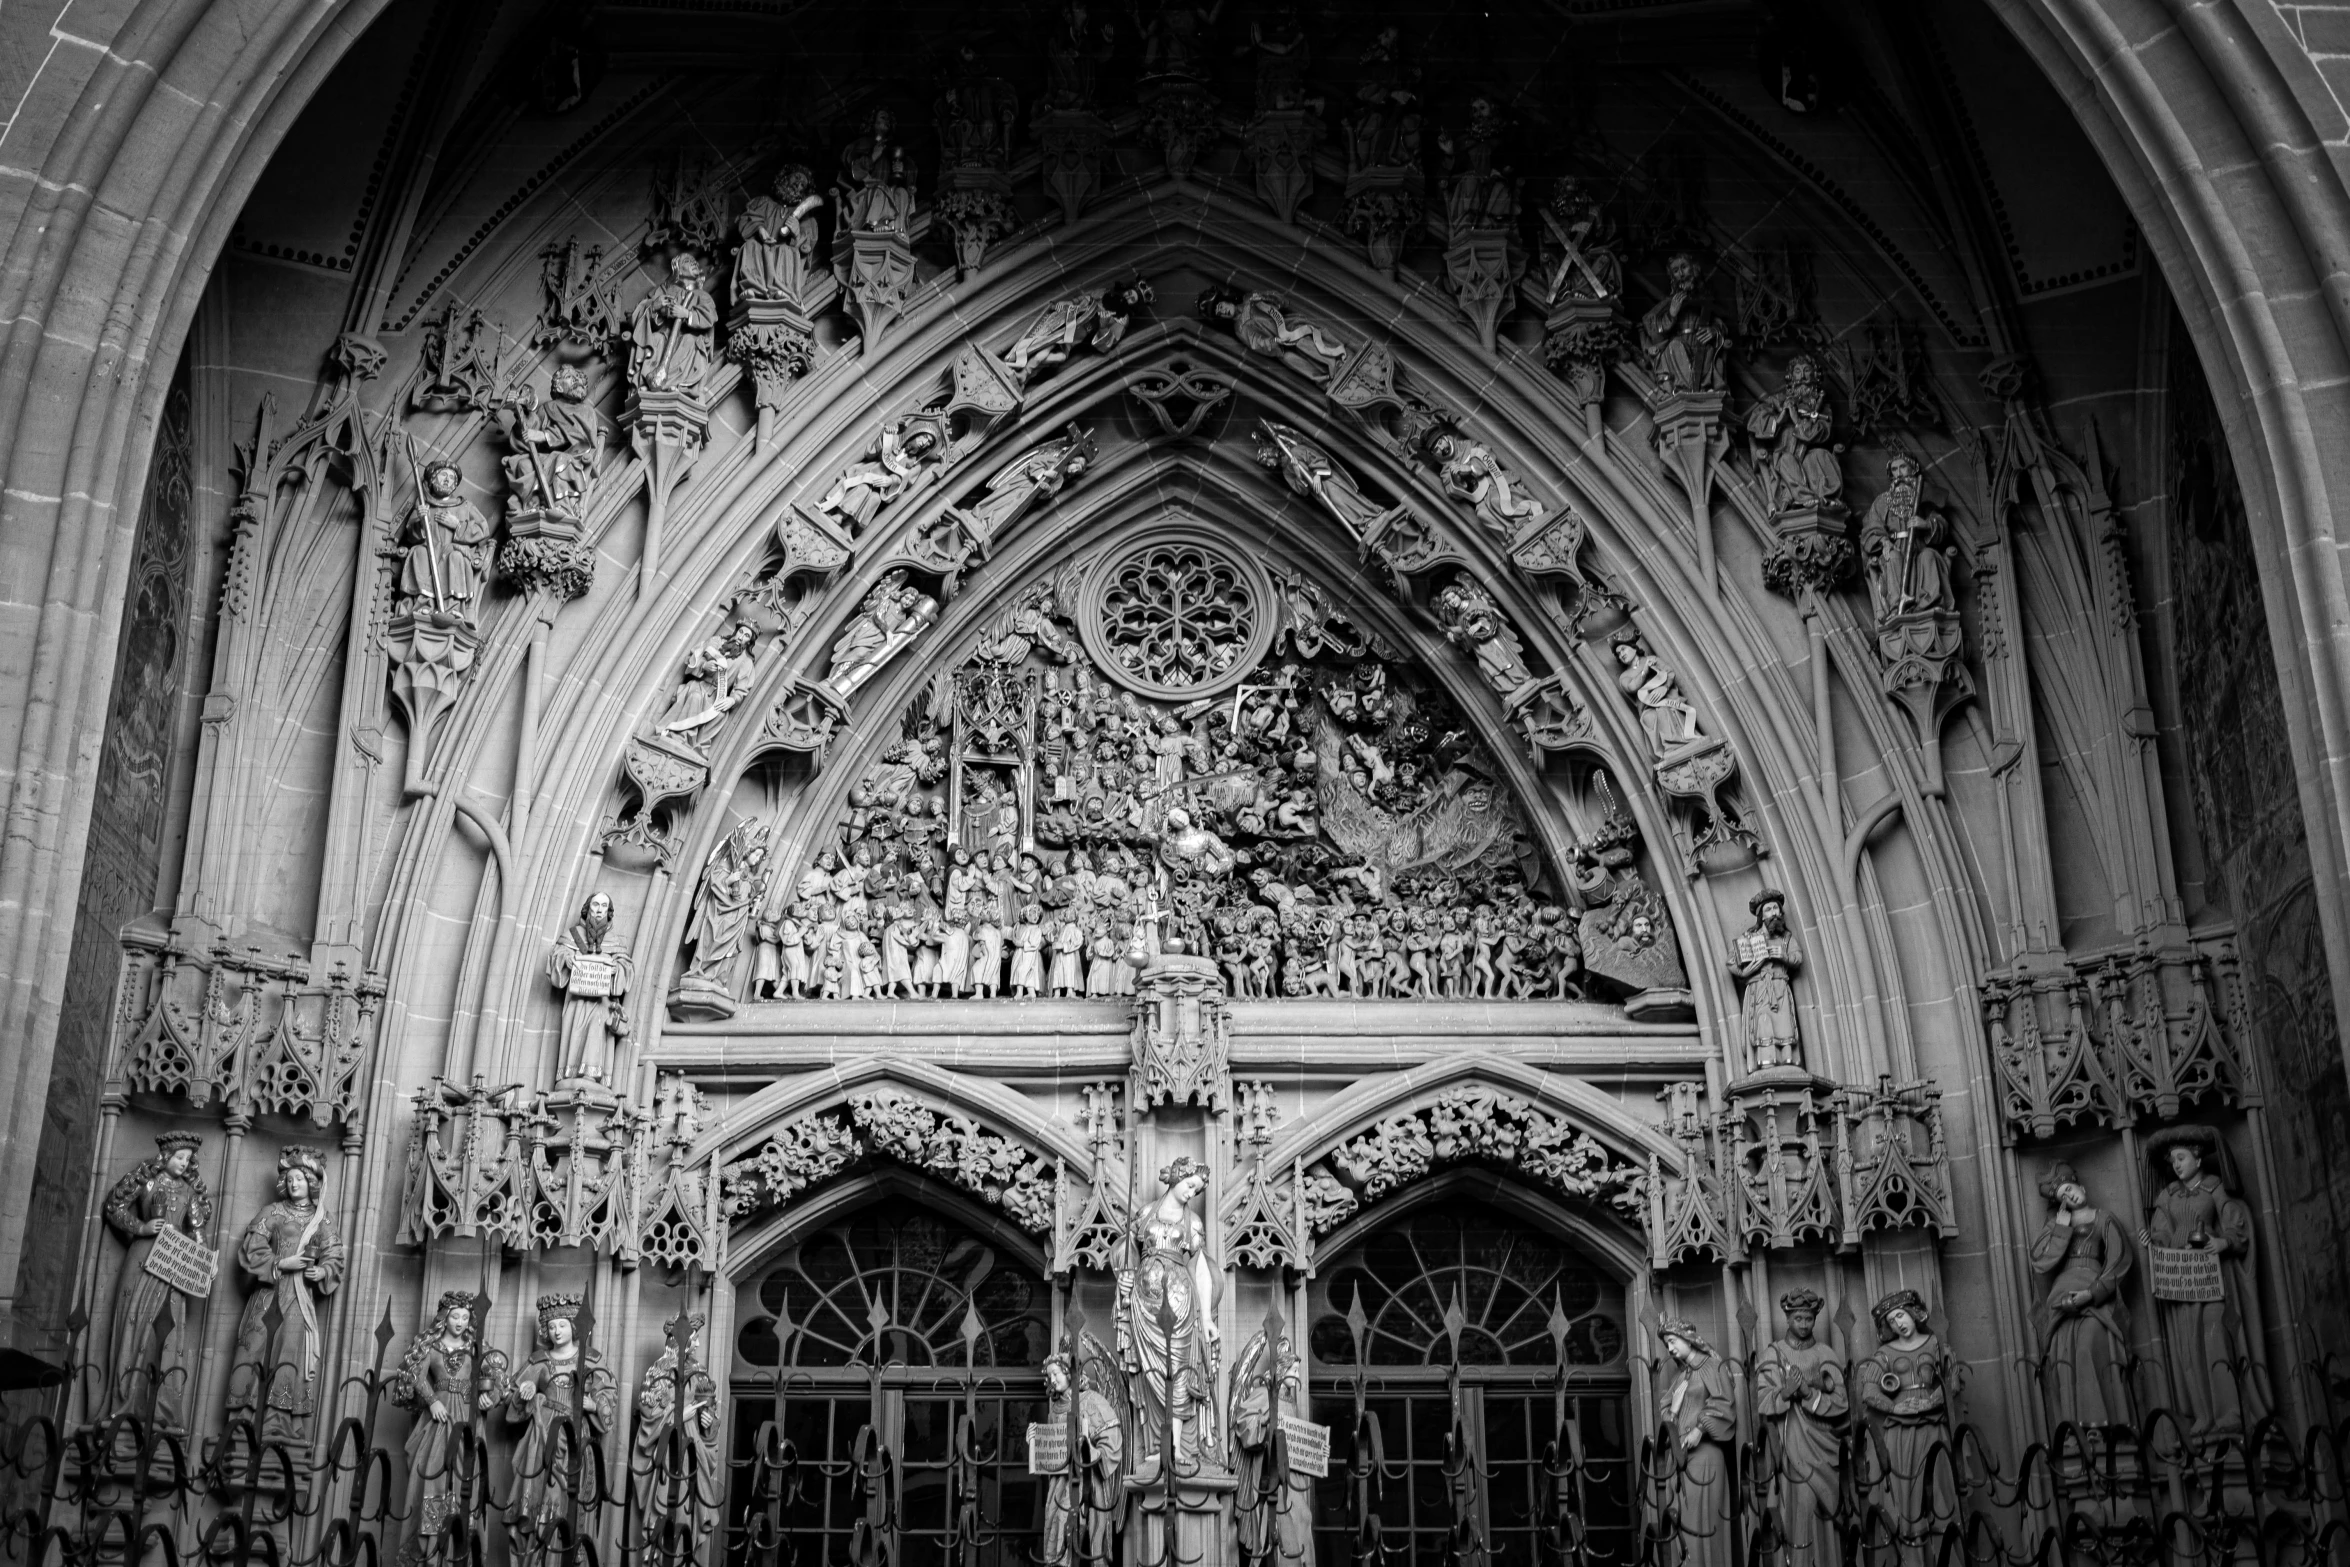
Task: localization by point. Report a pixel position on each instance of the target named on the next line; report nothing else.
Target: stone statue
(447, 541)
(977, 115)
(716, 676)
(1479, 191)
(443, 1378)
(2084, 1325)
(1265, 326)
(894, 614)
(1686, 348)
(1666, 716)
(1084, 1503)
(1473, 621)
(1792, 430)
(1167, 1333)
(877, 185)
(148, 1373)
(1579, 255)
(724, 906)
(2199, 1246)
(1074, 56)
(1283, 58)
(1802, 1394)
(592, 968)
(1906, 548)
(778, 238)
(1175, 39)
(1383, 131)
(676, 1469)
(1469, 471)
(1701, 1413)
(556, 447)
(1902, 1387)
(291, 1251)
(1092, 321)
(671, 338)
(1764, 965)
(566, 1401)
(1313, 473)
(1274, 1506)
(907, 456)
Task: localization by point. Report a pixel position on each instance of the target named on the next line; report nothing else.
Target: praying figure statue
(1802, 1394)
(294, 1256)
(877, 180)
(1793, 430)
(159, 1207)
(1687, 347)
(1764, 965)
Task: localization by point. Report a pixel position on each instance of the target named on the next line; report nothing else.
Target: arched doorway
(900, 1320)
(1489, 1353)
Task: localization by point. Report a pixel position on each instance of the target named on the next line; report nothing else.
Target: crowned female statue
(566, 1400)
(443, 1379)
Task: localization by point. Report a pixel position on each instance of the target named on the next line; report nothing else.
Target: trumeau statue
(447, 546)
(1802, 1394)
(2199, 1244)
(1686, 347)
(444, 1377)
(1792, 430)
(160, 1207)
(1699, 1410)
(295, 1259)
(566, 1401)
(777, 253)
(877, 180)
(1763, 966)
(671, 332)
(2084, 1322)
(1167, 1333)
(592, 968)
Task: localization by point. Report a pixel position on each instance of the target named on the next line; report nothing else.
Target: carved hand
(439, 1410)
(527, 1390)
(293, 1265)
(314, 1274)
(488, 1401)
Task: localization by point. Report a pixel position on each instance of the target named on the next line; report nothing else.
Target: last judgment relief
(1174, 748)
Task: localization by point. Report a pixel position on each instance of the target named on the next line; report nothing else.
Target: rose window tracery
(1179, 616)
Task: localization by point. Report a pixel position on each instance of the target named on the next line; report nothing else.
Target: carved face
(180, 1160)
(441, 481)
(598, 909)
(568, 385)
(1682, 270)
(2186, 1161)
(295, 1183)
(458, 1322)
(1626, 653)
(1056, 1378)
(1901, 1322)
(1772, 917)
(1680, 1348)
(559, 1332)
(1189, 1189)
(1803, 375)
(2071, 1195)
(1800, 1325)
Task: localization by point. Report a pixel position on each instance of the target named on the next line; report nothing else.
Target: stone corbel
(662, 769)
(813, 544)
(1383, 206)
(1581, 338)
(775, 341)
(975, 204)
(1697, 774)
(1892, 1162)
(1071, 144)
(1281, 150)
(1483, 266)
(1180, 115)
(431, 655)
(667, 429)
(879, 279)
(1691, 441)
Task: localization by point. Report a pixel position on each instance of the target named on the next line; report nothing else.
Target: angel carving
(1469, 471)
(1025, 483)
(1094, 321)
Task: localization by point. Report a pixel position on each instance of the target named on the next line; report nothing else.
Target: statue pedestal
(1198, 1517)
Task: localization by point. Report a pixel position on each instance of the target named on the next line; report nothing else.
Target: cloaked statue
(294, 1256)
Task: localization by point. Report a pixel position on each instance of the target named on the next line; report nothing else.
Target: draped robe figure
(671, 332)
(1698, 1409)
(2217, 1387)
(679, 1478)
(778, 235)
(592, 968)
(1802, 1394)
(1167, 1331)
(1901, 1386)
(2084, 1326)
(1275, 1511)
(148, 1372)
(291, 1251)
(444, 1377)
(1082, 1503)
(447, 539)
